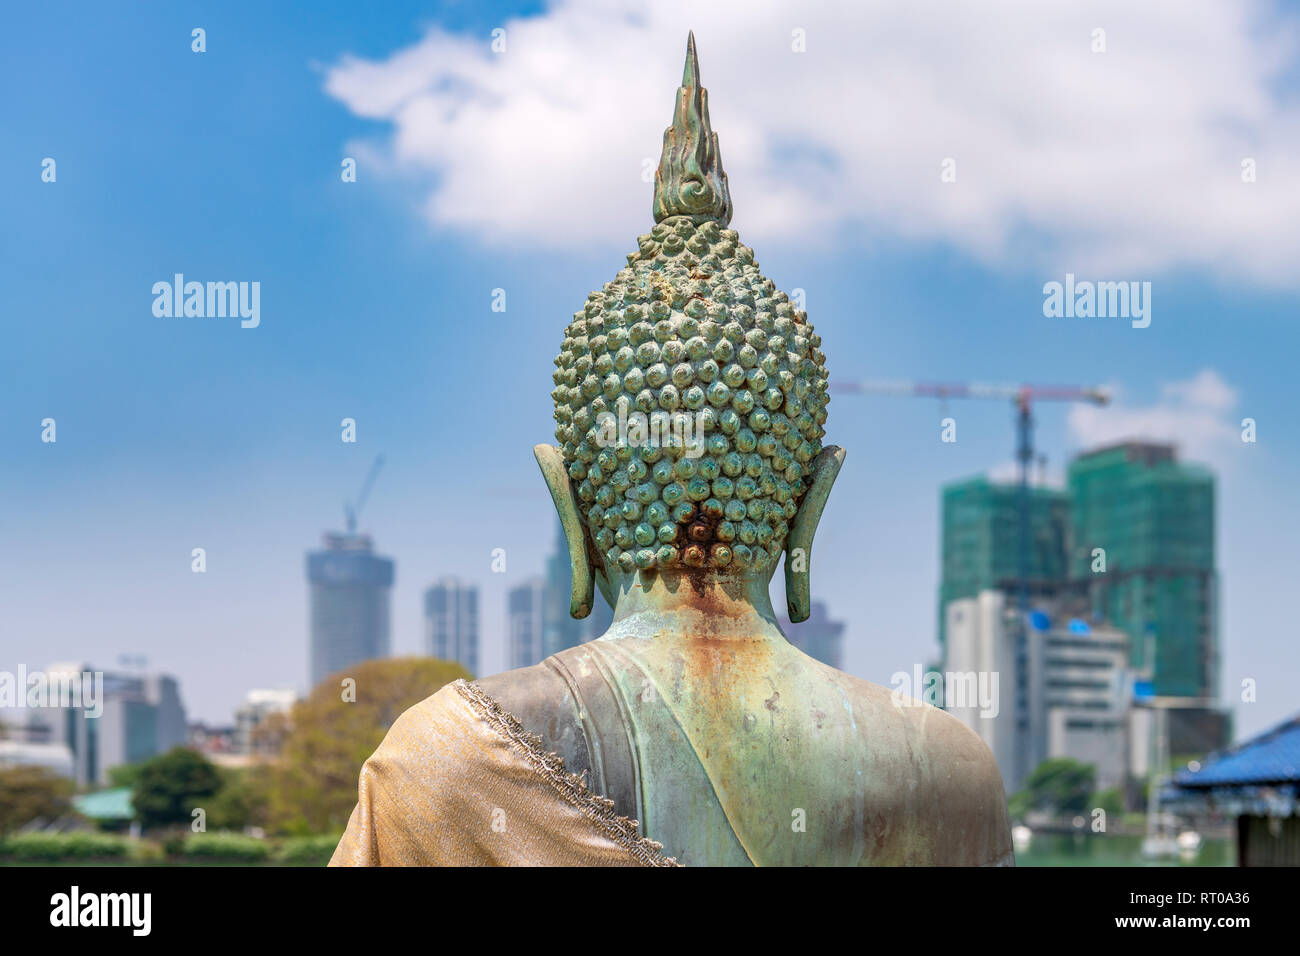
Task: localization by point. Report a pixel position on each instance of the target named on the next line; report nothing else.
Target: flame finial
(690, 180)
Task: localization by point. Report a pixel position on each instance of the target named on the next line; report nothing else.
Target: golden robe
(458, 782)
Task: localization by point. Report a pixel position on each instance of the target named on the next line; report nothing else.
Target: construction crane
(1022, 398)
(353, 511)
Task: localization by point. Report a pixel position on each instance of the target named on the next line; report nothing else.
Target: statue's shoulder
(945, 760)
(523, 688)
(541, 700)
(874, 710)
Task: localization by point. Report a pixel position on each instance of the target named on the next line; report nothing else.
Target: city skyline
(377, 306)
(555, 562)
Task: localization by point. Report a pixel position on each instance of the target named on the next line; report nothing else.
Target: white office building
(141, 716)
(1064, 690)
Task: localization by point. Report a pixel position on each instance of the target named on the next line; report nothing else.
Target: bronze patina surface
(693, 714)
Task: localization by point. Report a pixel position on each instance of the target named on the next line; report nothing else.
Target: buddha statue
(690, 401)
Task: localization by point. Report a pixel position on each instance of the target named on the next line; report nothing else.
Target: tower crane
(1022, 398)
(353, 511)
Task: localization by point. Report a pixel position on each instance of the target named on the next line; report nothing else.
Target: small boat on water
(1163, 846)
(1021, 836)
(1159, 846)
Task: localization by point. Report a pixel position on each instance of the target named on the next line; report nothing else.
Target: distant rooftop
(273, 696)
(1271, 758)
(112, 804)
(341, 541)
(1012, 486)
(1148, 452)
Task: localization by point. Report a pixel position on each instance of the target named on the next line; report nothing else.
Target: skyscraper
(524, 605)
(1128, 550)
(819, 636)
(451, 623)
(350, 589)
(598, 621)
(981, 582)
(1143, 548)
(559, 628)
(981, 540)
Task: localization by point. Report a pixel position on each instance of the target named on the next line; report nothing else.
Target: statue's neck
(700, 603)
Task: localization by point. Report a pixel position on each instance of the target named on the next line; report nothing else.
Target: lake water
(1096, 849)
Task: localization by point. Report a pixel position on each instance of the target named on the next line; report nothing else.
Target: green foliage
(242, 800)
(1060, 786)
(1111, 800)
(309, 850)
(217, 847)
(224, 846)
(147, 852)
(124, 775)
(77, 845)
(30, 793)
(173, 843)
(170, 786)
(313, 787)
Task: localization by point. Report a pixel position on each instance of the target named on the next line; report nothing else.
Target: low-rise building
(1258, 783)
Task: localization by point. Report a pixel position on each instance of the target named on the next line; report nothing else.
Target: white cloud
(1206, 390)
(1114, 164)
(1196, 415)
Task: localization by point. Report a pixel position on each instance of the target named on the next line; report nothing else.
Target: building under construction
(1128, 547)
(1150, 519)
(1133, 531)
(981, 540)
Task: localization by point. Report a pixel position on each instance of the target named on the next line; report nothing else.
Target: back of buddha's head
(690, 393)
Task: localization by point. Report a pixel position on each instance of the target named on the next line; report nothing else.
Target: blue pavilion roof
(112, 804)
(1271, 758)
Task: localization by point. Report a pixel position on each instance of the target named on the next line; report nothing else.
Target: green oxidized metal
(693, 714)
(690, 180)
(694, 339)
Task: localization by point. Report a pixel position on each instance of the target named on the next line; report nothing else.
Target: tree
(242, 800)
(30, 793)
(170, 786)
(334, 730)
(124, 775)
(1111, 800)
(1060, 786)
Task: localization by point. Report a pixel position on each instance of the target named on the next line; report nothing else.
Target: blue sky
(376, 295)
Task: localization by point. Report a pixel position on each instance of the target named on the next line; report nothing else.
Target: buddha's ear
(551, 462)
(798, 545)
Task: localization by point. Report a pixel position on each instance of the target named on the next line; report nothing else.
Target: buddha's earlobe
(798, 545)
(551, 462)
